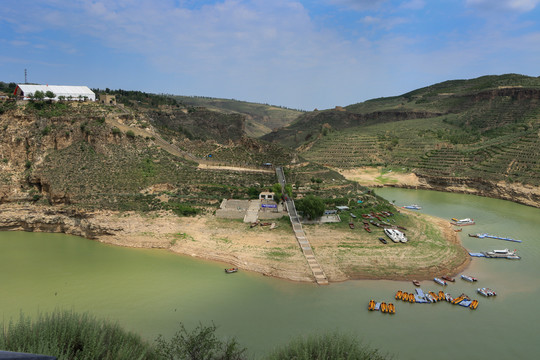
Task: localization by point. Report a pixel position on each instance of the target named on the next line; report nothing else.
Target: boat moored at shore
(462, 222)
(395, 235)
(469, 278)
(412, 207)
(440, 281)
(504, 254)
(486, 292)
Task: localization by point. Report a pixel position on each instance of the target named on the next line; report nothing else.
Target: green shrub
(68, 335)
(253, 192)
(311, 206)
(200, 344)
(183, 209)
(116, 131)
(333, 346)
(130, 134)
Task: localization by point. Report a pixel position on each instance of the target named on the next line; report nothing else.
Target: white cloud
(266, 51)
(414, 4)
(358, 5)
(383, 23)
(498, 5)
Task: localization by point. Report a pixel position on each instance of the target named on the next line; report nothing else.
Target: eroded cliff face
(28, 136)
(50, 219)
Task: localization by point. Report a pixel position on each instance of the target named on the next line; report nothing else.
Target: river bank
(374, 177)
(434, 248)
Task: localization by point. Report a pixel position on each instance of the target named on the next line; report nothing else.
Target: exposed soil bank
(434, 248)
(516, 192)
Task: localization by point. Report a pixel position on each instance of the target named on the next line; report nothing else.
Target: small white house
(75, 93)
(266, 195)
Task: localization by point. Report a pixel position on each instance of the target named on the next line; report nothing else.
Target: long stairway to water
(315, 267)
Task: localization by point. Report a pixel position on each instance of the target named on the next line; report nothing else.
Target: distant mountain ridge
(260, 118)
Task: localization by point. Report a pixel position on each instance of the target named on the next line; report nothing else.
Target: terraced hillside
(477, 133)
(422, 146)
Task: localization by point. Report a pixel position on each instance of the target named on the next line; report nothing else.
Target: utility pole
(25, 77)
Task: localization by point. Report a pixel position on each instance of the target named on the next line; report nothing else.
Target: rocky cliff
(50, 219)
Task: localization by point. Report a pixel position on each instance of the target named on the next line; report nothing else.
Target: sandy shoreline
(343, 254)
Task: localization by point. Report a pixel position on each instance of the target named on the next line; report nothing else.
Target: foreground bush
(199, 344)
(332, 346)
(67, 335)
(70, 336)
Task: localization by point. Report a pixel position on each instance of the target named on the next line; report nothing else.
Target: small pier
(481, 236)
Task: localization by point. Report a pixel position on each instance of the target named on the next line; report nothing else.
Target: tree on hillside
(311, 206)
(288, 190)
(49, 94)
(38, 95)
(276, 189)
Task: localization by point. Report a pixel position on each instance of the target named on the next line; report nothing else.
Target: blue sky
(300, 54)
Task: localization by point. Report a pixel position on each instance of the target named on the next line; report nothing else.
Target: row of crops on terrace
(516, 161)
(419, 145)
(401, 143)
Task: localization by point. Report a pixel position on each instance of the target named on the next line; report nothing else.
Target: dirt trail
(234, 168)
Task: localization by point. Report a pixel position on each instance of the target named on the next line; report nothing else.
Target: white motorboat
(395, 235)
(462, 222)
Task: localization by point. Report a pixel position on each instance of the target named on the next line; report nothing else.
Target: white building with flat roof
(81, 93)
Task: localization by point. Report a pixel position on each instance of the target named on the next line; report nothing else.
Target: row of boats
(382, 307)
(431, 297)
(378, 216)
(501, 254)
(443, 280)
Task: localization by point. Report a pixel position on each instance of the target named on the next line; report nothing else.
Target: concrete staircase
(314, 265)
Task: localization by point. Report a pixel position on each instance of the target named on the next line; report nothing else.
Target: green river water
(151, 291)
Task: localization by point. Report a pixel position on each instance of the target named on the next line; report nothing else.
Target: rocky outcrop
(39, 219)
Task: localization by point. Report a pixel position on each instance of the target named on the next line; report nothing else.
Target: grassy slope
(486, 128)
(260, 118)
(70, 154)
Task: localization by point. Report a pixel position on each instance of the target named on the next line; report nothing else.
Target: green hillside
(148, 154)
(486, 128)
